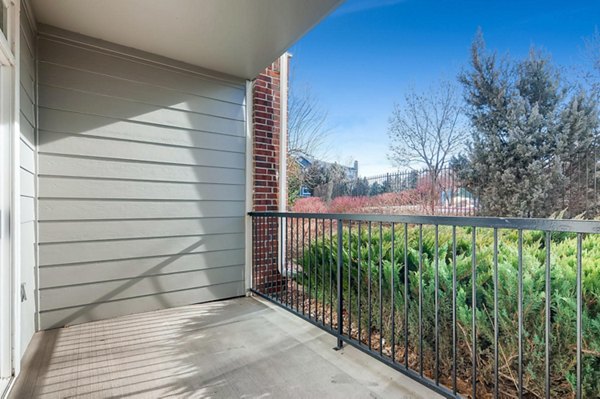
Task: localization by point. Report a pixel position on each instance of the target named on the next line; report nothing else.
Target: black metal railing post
(340, 320)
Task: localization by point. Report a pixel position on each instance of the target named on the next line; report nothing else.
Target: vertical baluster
(579, 314)
(288, 261)
(293, 262)
(340, 320)
(303, 267)
(296, 290)
(283, 258)
(273, 233)
(257, 249)
(274, 263)
(454, 310)
(370, 310)
(437, 307)
(269, 256)
(406, 288)
(350, 279)
(547, 324)
(520, 311)
(496, 327)
(316, 267)
(331, 274)
(393, 273)
(309, 269)
(474, 309)
(323, 273)
(421, 300)
(380, 289)
(253, 269)
(263, 257)
(359, 282)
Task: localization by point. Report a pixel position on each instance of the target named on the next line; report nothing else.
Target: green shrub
(317, 269)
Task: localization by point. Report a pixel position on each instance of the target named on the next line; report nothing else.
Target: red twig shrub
(310, 205)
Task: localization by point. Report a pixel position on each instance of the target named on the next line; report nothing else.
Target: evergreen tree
(376, 189)
(361, 188)
(524, 131)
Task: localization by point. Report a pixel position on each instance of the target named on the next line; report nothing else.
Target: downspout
(283, 136)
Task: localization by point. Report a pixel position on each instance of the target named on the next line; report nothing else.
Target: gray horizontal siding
(107, 63)
(103, 127)
(88, 293)
(59, 187)
(116, 108)
(141, 185)
(67, 209)
(77, 252)
(27, 179)
(113, 308)
(128, 229)
(77, 166)
(66, 144)
(106, 85)
(92, 272)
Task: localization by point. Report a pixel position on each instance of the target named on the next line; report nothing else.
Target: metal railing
(465, 306)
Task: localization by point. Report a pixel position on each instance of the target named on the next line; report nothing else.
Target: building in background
(305, 162)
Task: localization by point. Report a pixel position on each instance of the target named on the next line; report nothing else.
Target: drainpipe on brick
(282, 181)
(283, 142)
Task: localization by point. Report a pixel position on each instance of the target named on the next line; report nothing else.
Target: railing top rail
(557, 225)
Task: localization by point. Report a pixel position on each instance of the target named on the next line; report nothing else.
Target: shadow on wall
(141, 185)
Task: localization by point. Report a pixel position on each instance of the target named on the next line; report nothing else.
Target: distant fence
(577, 192)
(412, 191)
(439, 194)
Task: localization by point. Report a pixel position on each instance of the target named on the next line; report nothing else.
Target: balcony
(393, 294)
(242, 347)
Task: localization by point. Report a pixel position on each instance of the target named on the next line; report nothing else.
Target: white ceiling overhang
(236, 37)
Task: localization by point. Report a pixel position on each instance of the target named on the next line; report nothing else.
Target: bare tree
(426, 129)
(307, 124)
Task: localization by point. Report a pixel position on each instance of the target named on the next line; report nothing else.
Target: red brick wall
(266, 118)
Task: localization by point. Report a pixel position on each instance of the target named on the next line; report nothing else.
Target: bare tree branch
(307, 124)
(426, 128)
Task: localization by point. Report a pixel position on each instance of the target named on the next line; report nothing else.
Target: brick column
(266, 119)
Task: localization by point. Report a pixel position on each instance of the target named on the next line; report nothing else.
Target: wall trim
(249, 183)
(28, 11)
(15, 208)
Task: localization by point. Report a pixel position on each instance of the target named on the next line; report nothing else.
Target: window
(4, 18)
(6, 36)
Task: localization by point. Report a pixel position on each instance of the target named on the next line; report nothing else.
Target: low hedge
(563, 260)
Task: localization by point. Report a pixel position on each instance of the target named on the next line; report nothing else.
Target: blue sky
(362, 58)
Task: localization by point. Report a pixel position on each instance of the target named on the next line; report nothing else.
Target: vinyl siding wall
(141, 183)
(27, 123)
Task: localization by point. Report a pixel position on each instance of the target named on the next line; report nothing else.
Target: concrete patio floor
(239, 348)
